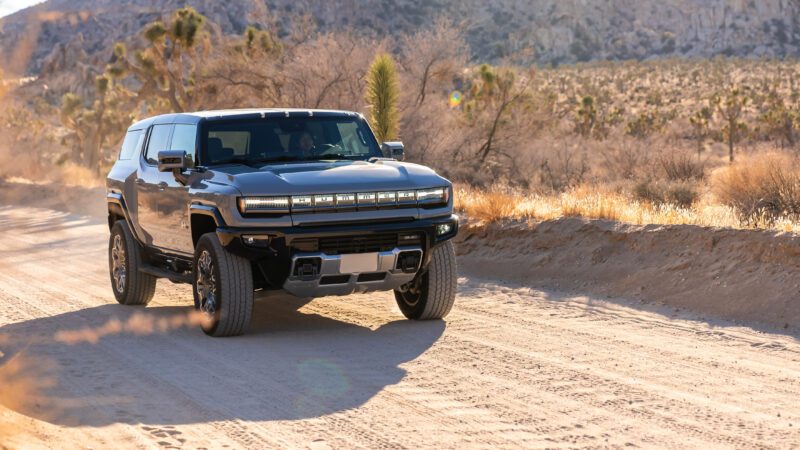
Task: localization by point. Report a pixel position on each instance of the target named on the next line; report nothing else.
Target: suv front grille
(379, 242)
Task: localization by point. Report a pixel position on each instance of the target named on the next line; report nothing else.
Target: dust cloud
(26, 377)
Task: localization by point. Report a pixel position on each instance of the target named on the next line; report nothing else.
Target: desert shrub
(487, 206)
(625, 158)
(682, 195)
(647, 192)
(563, 169)
(761, 189)
(681, 166)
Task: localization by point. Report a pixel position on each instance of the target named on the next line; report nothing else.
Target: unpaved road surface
(512, 366)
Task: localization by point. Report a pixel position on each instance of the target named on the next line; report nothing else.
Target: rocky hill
(558, 31)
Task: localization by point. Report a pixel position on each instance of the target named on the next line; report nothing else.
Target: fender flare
(206, 210)
(116, 204)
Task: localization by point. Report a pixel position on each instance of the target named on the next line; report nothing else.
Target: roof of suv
(251, 113)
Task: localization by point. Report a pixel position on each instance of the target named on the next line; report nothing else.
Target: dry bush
(625, 158)
(682, 166)
(490, 206)
(592, 204)
(679, 194)
(565, 167)
(761, 189)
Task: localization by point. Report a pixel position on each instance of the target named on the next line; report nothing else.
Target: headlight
(263, 204)
(433, 196)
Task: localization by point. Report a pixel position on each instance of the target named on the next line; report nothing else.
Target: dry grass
(595, 203)
(762, 189)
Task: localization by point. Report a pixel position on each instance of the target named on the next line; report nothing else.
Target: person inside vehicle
(303, 144)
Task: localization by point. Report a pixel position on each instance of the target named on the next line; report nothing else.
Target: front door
(173, 204)
(150, 185)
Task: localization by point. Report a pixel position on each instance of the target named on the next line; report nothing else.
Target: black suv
(305, 201)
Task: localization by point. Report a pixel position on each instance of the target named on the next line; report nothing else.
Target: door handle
(139, 181)
(162, 186)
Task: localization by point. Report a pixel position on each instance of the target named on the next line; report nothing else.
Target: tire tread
(235, 288)
(140, 287)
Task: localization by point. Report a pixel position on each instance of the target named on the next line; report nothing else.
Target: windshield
(287, 139)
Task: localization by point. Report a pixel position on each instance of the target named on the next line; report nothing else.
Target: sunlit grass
(593, 203)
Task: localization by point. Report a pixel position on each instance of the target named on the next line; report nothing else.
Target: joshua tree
(586, 116)
(98, 124)
(780, 120)
(730, 109)
(700, 122)
(167, 67)
(495, 92)
(381, 96)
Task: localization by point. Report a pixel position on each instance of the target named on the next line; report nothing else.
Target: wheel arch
(203, 219)
(117, 211)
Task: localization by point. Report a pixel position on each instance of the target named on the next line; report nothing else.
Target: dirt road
(511, 366)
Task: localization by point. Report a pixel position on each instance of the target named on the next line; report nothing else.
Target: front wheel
(223, 288)
(130, 286)
(433, 292)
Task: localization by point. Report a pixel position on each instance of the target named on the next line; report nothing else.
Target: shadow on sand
(291, 365)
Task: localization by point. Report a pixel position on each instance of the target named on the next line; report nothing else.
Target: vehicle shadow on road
(293, 364)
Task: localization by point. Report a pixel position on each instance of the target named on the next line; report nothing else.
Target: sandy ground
(512, 366)
(748, 276)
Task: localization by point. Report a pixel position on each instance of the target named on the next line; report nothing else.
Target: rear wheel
(130, 286)
(223, 288)
(432, 293)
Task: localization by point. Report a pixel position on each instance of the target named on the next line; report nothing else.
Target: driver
(305, 144)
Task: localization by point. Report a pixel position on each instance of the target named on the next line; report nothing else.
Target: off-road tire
(232, 286)
(435, 287)
(137, 288)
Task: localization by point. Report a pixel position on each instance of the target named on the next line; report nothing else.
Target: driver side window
(159, 140)
(184, 138)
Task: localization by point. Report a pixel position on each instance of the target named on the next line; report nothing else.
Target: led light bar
(263, 204)
(406, 196)
(436, 195)
(385, 198)
(324, 201)
(345, 200)
(302, 202)
(363, 200)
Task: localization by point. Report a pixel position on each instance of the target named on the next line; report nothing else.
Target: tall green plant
(382, 95)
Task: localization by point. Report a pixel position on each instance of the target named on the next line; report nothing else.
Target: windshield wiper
(282, 158)
(237, 160)
(326, 156)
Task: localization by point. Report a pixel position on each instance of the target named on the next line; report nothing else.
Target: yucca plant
(382, 95)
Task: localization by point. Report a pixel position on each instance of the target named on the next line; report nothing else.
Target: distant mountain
(559, 31)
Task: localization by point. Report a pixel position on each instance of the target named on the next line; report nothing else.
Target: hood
(321, 177)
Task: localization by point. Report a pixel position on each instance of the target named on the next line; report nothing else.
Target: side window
(132, 142)
(159, 139)
(184, 138)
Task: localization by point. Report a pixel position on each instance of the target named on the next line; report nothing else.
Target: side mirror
(393, 150)
(172, 161)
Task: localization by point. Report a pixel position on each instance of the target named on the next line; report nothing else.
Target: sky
(11, 6)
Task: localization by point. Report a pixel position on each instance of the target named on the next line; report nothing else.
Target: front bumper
(277, 259)
(334, 278)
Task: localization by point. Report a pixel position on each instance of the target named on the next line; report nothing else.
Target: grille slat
(334, 245)
(358, 244)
